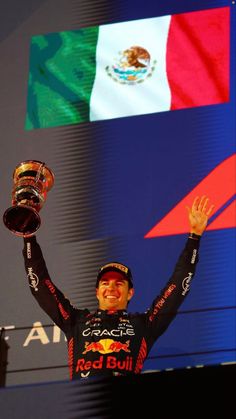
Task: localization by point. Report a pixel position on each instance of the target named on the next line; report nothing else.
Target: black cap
(117, 267)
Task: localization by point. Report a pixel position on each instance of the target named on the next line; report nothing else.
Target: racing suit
(102, 342)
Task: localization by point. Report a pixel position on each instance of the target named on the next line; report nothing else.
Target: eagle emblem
(132, 66)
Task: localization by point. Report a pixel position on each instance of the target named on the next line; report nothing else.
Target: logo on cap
(117, 266)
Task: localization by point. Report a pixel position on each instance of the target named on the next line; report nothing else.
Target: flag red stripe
(198, 58)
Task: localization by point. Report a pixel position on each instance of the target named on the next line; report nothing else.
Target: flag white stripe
(110, 99)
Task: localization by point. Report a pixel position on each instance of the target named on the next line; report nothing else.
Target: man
(112, 341)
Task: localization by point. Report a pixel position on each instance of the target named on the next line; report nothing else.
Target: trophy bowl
(32, 180)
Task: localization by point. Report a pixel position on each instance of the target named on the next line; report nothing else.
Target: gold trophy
(32, 181)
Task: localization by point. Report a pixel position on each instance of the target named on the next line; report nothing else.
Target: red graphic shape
(226, 219)
(218, 185)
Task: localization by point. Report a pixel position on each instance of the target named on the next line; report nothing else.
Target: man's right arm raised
(48, 296)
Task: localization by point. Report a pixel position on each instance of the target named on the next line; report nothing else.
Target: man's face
(113, 291)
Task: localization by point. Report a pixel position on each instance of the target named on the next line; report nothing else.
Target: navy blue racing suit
(109, 343)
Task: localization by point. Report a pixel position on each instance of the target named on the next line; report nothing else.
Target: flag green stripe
(62, 72)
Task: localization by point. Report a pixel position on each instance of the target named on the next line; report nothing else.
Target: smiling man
(114, 287)
(111, 340)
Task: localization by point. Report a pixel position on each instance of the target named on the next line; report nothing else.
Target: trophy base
(22, 220)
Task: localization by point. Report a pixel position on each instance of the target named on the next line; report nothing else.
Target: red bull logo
(103, 362)
(106, 346)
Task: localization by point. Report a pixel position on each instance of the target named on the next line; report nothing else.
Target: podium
(167, 394)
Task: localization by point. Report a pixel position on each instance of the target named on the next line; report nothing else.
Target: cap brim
(114, 269)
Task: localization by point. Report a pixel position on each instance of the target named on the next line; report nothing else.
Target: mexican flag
(129, 68)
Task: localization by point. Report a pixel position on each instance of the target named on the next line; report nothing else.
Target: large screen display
(133, 109)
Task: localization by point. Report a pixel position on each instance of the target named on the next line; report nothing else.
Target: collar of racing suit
(106, 313)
